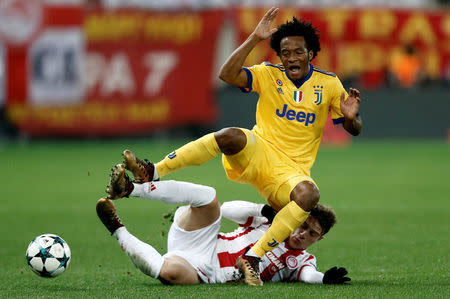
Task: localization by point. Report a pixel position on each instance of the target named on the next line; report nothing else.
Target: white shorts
(198, 247)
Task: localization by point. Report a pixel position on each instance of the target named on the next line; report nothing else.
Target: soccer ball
(48, 255)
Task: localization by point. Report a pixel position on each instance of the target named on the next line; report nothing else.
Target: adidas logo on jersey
(151, 187)
(300, 116)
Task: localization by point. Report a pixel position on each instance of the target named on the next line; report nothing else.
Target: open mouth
(294, 69)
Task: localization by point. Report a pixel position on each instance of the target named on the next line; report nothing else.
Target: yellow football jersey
(291, 115)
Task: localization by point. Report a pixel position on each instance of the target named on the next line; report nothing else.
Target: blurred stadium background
(82, 80)
(149, 68)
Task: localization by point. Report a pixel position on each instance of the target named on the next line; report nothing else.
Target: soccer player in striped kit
(198, 252)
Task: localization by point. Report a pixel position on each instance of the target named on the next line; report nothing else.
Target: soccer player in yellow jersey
(275, 156)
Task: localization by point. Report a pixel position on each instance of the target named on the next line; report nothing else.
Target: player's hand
(268, 212)
(262, 30)
(336, 275)
(350, 107)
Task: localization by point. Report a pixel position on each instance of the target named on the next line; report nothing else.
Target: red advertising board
(140, 71)
(154, 68)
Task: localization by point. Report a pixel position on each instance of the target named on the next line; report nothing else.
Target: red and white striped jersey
(281, 264)
(285, 264)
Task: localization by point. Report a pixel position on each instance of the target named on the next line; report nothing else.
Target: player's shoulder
(298, 253)
(266, 65)
(277, 66)
(323, 72)
(306, 256)
(325, 78)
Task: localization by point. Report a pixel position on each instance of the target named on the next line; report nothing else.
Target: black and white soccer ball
(48, 255)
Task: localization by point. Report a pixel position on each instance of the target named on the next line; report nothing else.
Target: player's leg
(177, 271)
(175, 192)
(228, 141)
(199, 217)
(192, 238)
(280, 181)
(303, 197)
(143, 256)
(204, 207)
(170, 192)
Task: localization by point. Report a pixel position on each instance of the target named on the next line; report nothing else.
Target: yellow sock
(285, 222)
(194, 153)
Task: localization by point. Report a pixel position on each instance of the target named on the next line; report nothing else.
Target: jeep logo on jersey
(300, 116)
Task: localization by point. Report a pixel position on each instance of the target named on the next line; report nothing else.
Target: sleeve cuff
(338, 120)
(309, 274)
(249, 81)
(341, 120)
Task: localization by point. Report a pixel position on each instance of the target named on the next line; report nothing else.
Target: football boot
(108, 215)
(249, 267)
(143, 171)
(120, 184)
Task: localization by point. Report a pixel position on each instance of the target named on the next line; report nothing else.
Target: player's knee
(204, 197)
(170, 273)
(200, 217)
(231, 140)
(306, 195)
(177, 271)
(214, 204)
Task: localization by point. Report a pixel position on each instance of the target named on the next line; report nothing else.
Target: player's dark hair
(325, 215)
(297, 28)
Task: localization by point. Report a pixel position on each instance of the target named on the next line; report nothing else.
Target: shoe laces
(112, 215)
(252, 265)
(121, 185)
(143, 168)
(143, 165)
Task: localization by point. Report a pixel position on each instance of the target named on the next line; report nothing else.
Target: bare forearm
(353, 126)
(231, 71)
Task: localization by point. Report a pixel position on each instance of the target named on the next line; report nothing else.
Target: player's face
(307, 234)
(295, 56)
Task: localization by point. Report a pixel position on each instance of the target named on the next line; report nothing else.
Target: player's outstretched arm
(350, 108)
(331, 276)
(239, 211)
(231, 71)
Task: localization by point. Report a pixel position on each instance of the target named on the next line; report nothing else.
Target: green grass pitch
(391, 198)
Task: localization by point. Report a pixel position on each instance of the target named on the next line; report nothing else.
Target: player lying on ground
(198, 253)
(276, 156)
